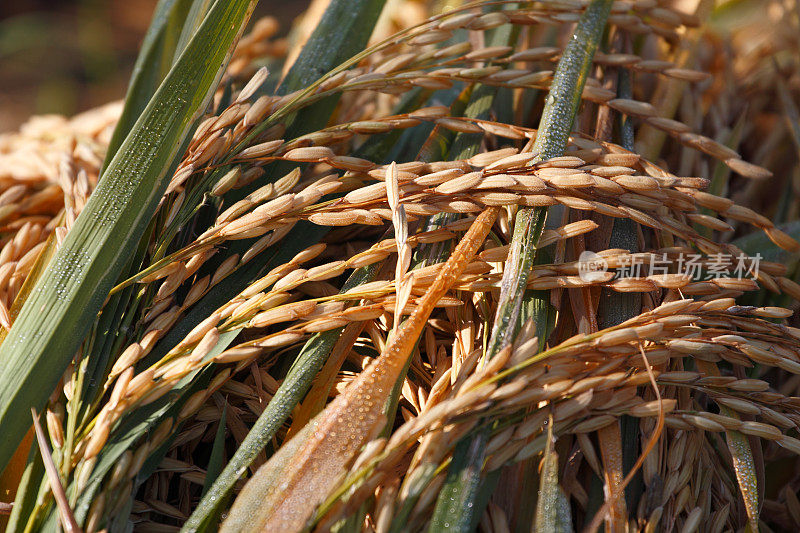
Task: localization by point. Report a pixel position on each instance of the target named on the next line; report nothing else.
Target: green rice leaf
(217, 452)
(561, 106)
(552, 507)
(191, 15)
(745, 468)
(26, 492)
(461, 487)
(152, 65)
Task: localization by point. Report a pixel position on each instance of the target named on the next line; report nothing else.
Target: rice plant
(484, 266)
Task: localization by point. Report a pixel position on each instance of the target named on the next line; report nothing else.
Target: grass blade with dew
(744, 465)
(62, 306)
(192, 14)
(152, 65)
(552, 507)
(561, 106)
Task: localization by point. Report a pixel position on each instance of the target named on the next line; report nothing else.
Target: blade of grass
(25, 499)
(190, 15)
(561, 106)
(744, 464)
(339, 35)
(320, 389)
(61, 308)
(616, 307)
(217, 453)
(152, 65)
(36, 272)
(552, 507)
(461, 485)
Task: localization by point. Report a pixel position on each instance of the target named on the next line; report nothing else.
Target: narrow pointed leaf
(558, 116)
(463, 483)
(217, 452)
(745, 468)
(152, 65)
(191, 15)
(26, 490)
(552, 507)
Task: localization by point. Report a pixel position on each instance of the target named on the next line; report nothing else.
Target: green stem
(616, 307)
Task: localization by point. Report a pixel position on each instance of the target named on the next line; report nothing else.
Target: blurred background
(66, 56)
